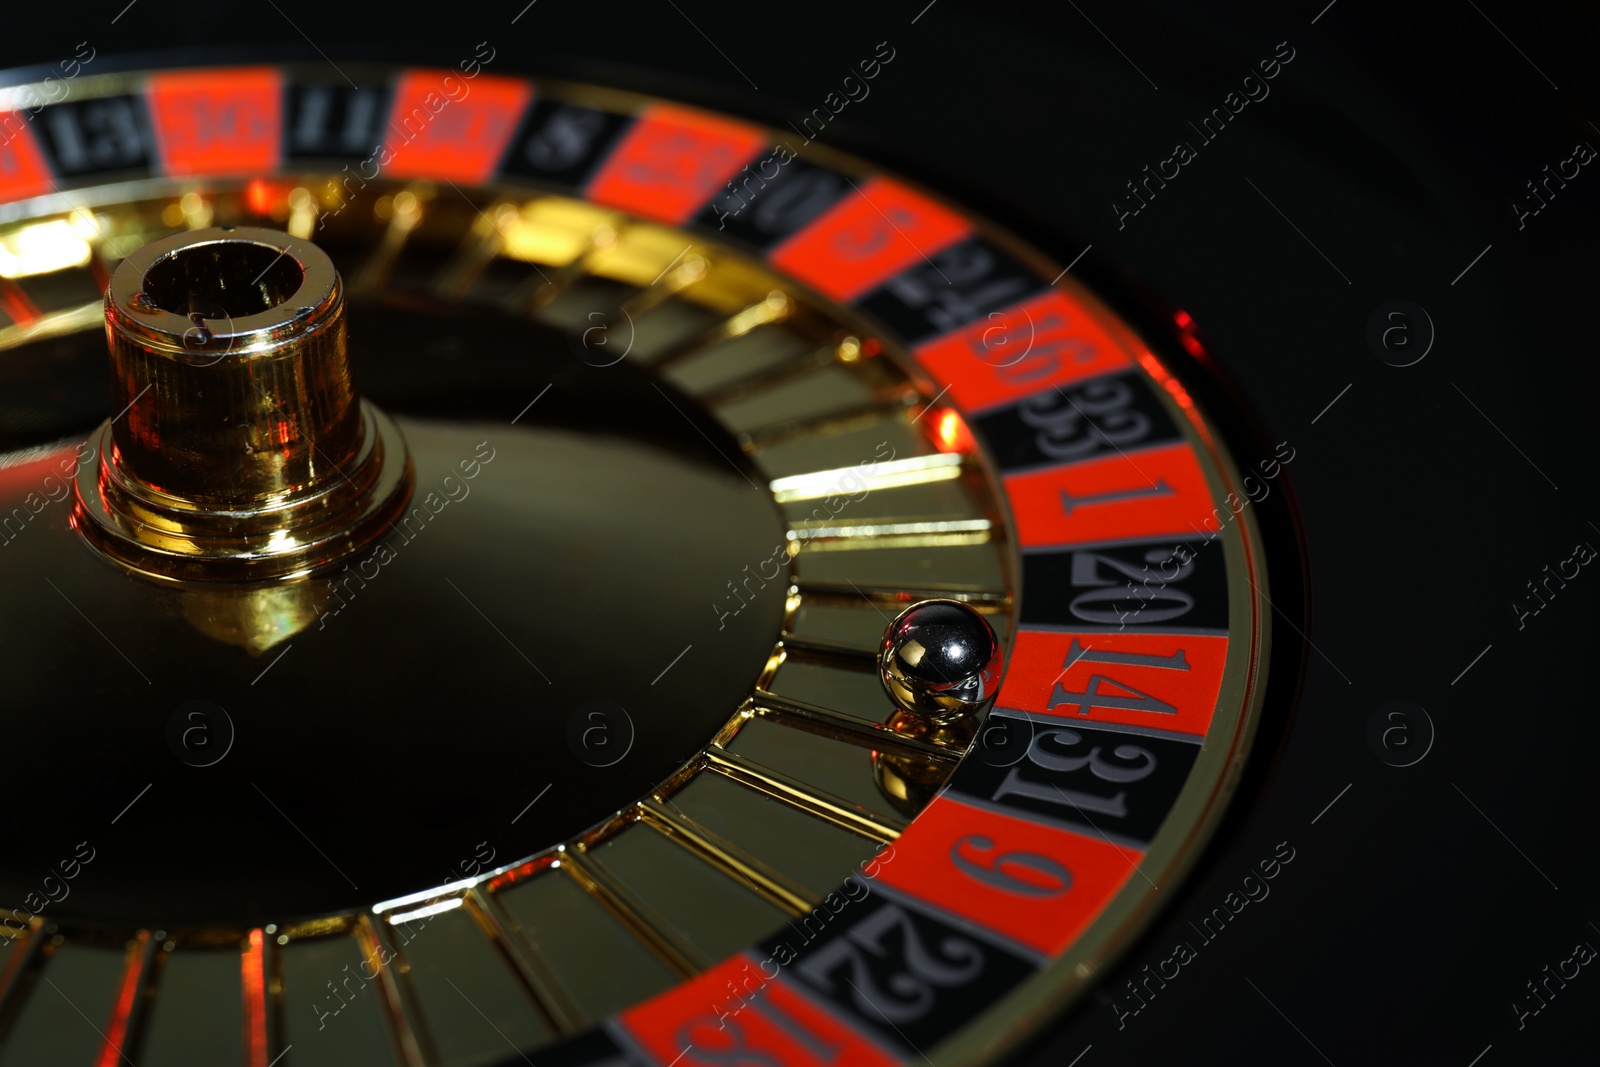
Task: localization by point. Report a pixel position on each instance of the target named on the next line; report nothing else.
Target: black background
(1419, 904)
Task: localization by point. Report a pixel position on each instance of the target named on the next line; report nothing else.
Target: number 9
(1039, 876)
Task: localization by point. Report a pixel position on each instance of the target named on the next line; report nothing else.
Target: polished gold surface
(813, 772)
(792, 794)
(240, 449)
(238, 335)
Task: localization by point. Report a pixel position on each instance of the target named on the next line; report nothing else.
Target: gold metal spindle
(247, 453)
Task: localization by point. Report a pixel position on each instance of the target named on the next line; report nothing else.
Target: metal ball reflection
(940, 660)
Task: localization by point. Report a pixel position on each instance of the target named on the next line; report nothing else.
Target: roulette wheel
(535, 548)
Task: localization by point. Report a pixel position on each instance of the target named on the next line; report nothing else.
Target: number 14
(1130, 699)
